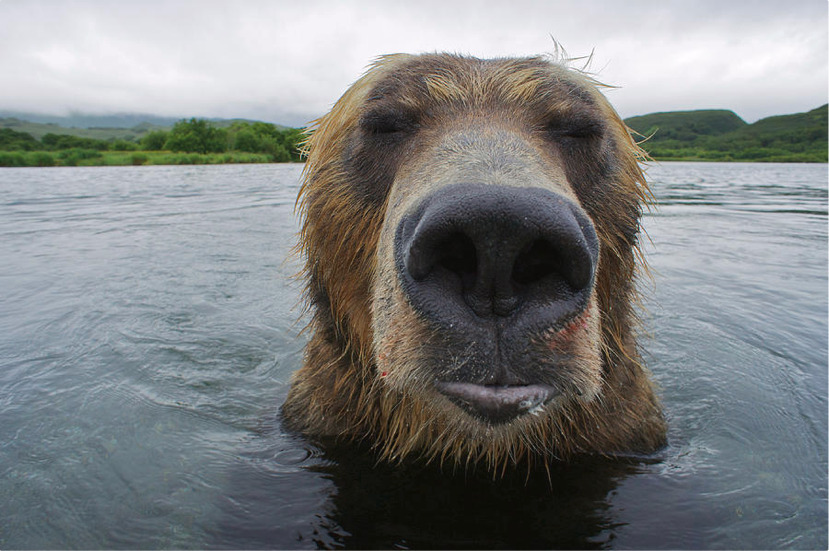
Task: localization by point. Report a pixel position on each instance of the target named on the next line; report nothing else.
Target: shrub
(41, 158)
(65, 141)
(154, 141)
(12, 140)
(123, 145)
(249, 141)
(139, 159)
(280, 154)
(196, 136)
(12, 159)
(71, 157)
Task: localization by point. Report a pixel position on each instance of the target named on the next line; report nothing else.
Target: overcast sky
(288, 61)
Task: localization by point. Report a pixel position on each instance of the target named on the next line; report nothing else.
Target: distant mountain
(82, 120)
(40, 129)
(720, 135)
(100, 127)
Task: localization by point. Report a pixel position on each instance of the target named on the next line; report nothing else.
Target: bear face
(470, 234)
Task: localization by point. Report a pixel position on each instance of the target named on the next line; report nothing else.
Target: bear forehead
(530, 84)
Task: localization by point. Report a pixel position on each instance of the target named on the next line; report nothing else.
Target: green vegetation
(154, 141)
(87, 157)
(723, 136)
(196, 135)
(12, 140)
(193, 141)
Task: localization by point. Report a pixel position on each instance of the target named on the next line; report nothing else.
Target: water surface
(148, 330)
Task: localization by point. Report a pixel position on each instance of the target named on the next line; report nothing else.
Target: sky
(288, 61)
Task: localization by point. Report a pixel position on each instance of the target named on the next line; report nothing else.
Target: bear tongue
(498, 404)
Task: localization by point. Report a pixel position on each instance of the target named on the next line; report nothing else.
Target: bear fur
(452, 137)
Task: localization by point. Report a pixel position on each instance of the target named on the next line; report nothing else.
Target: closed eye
(386, 122)
(577, 128)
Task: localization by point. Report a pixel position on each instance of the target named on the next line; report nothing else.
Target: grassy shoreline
(85, 157)
(794, 158)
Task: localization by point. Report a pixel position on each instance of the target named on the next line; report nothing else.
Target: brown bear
(470, 239)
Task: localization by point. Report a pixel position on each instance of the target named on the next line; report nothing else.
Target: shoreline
(86, 158)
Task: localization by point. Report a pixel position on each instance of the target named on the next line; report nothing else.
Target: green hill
(686, 125)
(720, 135)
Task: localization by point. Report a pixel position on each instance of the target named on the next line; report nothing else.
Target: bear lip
(498, 403)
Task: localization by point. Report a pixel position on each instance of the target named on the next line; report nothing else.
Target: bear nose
(497, 250)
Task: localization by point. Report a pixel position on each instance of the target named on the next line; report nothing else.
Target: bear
(470, 235)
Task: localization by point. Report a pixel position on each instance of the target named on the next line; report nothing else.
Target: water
(148, 331)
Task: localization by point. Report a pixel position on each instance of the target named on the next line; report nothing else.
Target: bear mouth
(496, 404)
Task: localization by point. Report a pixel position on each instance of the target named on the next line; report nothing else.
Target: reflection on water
(148, 330)
(382, 506)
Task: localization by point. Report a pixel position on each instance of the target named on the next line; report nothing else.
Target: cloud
(289, 61)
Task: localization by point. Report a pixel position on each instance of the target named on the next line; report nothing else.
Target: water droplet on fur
(537, 409)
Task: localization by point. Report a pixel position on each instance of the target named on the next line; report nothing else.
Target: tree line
(186, 136)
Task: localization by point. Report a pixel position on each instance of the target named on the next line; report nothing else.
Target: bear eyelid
(575, 127)
(386, 121)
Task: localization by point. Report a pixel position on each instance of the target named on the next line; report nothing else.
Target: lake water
(148, 329)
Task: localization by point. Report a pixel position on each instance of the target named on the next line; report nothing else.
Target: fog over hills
(113, 120)
(86, 120)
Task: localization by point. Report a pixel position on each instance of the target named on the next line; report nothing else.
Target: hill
(40, 129)
(85, 120)
(686, 125)
(720, 135)
(130, 127)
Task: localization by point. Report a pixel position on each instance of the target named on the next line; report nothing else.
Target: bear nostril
(457, 254)
(454, 254)
(535, 262)
(542, 260)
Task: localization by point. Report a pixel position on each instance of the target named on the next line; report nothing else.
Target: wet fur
(362, 379)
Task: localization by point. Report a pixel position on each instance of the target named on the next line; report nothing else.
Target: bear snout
(472, 253)
(491, 267)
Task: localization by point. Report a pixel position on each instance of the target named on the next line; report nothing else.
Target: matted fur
(362, 379)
